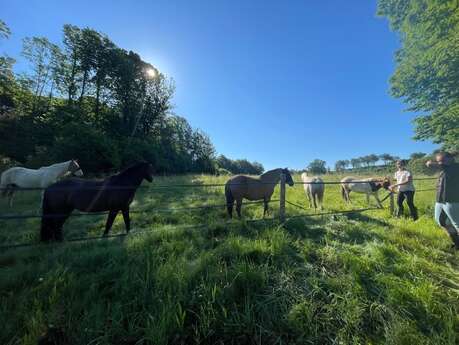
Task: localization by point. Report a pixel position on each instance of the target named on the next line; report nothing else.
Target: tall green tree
(427, 73)
(45, 59)
(6, 74)
(340, 165)
(317, 166)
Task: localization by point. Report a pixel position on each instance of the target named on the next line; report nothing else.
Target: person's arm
(407, 180)
(432, 164)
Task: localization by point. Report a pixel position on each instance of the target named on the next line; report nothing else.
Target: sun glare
(151, 72)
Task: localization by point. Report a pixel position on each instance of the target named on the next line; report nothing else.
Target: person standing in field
(447, 203)
(405, 189)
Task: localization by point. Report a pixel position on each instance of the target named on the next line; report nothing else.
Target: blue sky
(281, 83)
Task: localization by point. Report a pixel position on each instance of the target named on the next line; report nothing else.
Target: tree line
(89, 99)
(238, 166)
(366, 161)
(416, 162)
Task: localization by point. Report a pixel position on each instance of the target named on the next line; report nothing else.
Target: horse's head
(74, 168)
(382, 183)
(385, 183)
(148, 171)
(288, 177)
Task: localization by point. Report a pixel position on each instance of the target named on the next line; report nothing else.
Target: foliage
(239, 166)
(341, 165)
(418, 165)
(427, 76)
(317, 166)
(417, 155)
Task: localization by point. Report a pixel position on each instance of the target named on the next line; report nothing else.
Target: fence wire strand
(194, 185)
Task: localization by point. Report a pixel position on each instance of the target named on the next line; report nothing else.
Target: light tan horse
(253, 188)
(314, 188)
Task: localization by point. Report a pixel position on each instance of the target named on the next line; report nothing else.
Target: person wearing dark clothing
(447, 201)
(405, 189)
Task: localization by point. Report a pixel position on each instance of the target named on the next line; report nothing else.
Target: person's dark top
(448, 184)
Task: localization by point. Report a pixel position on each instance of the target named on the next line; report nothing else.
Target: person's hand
(429, 163)
(391, 188)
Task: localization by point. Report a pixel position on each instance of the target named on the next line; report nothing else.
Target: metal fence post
(391, 204)
(282, 198)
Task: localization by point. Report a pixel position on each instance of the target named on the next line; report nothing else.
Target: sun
(151, 73)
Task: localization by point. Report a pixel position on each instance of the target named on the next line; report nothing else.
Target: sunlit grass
(356, 279)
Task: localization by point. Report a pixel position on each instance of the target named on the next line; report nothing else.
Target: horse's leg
(127, 220)
(110, 219)
(314, 199)
(347, 197)
(238, 207)
(10, 197)
(265, 203)
(40, 209)
(377, 200)
(308, 193)
(59, 226)
(229, 207)
(47, 228)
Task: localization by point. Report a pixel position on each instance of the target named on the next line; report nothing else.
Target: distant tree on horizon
(386, 158)
(417, 155)
(317, 166)
(340, 165)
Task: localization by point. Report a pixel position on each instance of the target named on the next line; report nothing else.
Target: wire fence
(188, 227)
(155, 210)
(8, 217)
(193, 185)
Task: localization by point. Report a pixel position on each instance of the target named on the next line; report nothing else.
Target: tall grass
(355, 279)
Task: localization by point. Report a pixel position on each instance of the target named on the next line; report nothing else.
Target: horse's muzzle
(78, 173)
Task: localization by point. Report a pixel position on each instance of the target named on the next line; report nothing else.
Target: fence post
(282, 199)
(391, 204)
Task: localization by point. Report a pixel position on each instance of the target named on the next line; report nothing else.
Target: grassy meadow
(363, 278)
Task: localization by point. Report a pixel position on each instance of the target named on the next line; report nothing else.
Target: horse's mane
(131, 168)
(270, 172)
(54, 165)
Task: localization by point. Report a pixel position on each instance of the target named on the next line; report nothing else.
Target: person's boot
(454, 237)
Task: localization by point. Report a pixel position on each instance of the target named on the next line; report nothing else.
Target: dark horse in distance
(113, 194)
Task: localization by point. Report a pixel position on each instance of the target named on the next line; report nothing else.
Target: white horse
(314, 188)
(15, 178)
(368, 186)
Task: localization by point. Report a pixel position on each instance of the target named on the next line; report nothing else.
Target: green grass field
(350, 279)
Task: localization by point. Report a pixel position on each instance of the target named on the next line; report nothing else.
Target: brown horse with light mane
(253, 188)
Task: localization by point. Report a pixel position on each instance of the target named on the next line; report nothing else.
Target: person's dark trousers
(409, 196)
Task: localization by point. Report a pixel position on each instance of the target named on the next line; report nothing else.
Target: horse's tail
(229, 195)
(5, 190)
(229, 200)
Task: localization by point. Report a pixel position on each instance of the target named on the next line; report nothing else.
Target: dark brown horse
(253, 188)
(113, 194)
